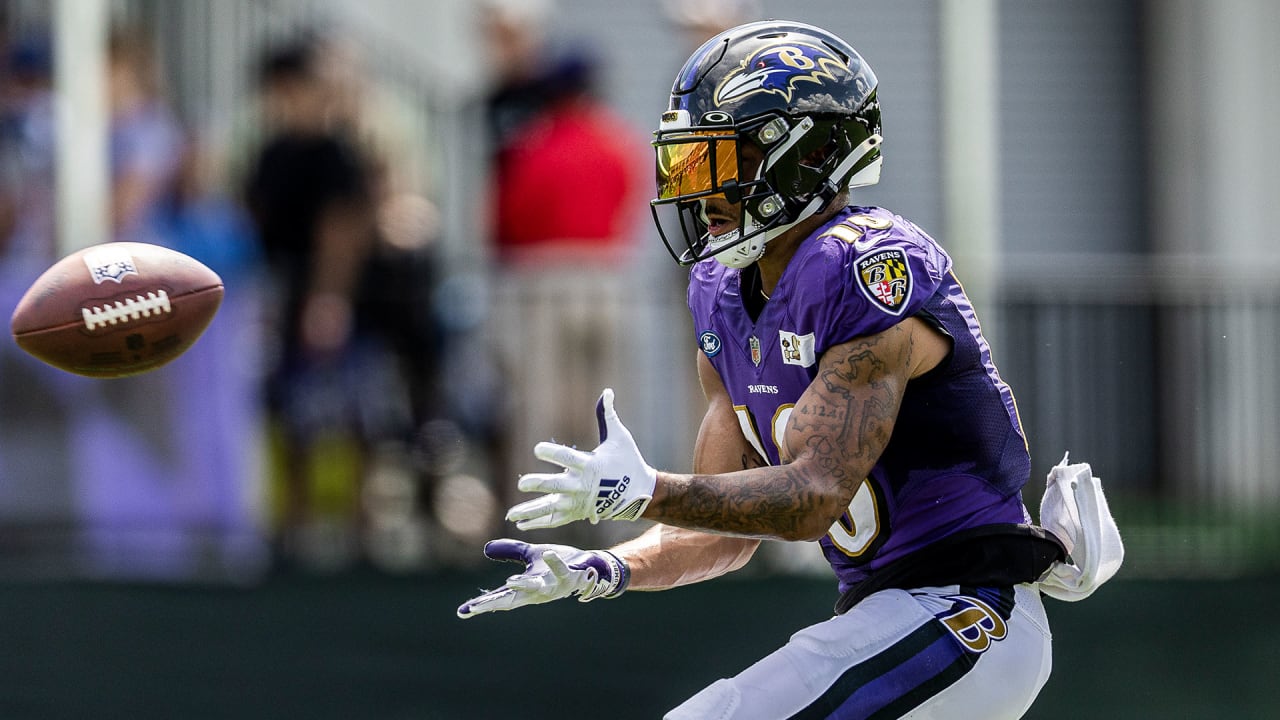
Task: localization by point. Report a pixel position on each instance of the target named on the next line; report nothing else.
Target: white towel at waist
(1075, 510)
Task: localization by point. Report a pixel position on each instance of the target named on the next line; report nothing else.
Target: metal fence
(1161, 372)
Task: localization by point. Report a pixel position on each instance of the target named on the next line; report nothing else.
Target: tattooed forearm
(766, 502)
(837, 431)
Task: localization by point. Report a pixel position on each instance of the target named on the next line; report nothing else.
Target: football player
(852, 401)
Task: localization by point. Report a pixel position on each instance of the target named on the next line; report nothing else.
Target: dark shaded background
(371, 646)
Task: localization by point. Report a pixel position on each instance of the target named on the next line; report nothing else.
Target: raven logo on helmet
(778, 69)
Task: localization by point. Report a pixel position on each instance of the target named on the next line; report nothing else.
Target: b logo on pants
(973, 622)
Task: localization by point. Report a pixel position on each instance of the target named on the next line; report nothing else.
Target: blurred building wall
(1139, 288)
(1214, 96)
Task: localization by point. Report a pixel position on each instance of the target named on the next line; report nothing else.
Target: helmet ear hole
(798, 169)
(817, 159)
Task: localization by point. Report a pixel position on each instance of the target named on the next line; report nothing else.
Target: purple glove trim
(612, 573)
(509, 551)
(600, 423)
(624, 575)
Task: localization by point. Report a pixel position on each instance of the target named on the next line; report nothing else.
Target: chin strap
(746, 252)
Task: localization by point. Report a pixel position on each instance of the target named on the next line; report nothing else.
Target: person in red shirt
(569, 179)
(566, 179)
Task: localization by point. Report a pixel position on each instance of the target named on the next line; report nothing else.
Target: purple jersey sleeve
(863, 274)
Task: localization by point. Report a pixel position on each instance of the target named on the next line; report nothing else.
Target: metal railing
(1161, 372)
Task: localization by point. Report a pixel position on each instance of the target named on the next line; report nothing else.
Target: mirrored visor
(695, 163)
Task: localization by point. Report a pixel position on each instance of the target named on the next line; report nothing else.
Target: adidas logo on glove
(583, 490)
(611, 490)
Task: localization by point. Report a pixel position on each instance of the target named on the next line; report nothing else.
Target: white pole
(969, 49)
(83, 183)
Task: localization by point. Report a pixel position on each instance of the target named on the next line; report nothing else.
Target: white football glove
(612, 482)
(551, 572)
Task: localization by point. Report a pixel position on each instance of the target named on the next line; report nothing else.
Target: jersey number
(859, 526)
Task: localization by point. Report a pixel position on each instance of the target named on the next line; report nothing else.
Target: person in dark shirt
(311, 199)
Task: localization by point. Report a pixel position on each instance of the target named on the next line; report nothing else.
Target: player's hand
(551, 572)
(612, 482)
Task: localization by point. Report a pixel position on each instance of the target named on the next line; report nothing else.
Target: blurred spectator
(421, 441)
(146, 143)
(26, 159)
(183, 504)
(347, 233)
(311, 201)
(35, 464)
(566, 167)
(701, 19)
(568, 194)
(219, 428)
(395, 297)
(186, 490)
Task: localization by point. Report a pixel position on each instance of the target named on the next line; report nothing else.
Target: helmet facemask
(698, 167)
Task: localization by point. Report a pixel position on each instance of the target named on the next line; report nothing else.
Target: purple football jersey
(957, 458)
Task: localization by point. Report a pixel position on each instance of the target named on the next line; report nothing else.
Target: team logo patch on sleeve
(885, 278)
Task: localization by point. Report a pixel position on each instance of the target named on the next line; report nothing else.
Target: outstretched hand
(551, 572)
(612, 482)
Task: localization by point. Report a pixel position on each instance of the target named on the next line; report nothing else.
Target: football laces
(122, 311)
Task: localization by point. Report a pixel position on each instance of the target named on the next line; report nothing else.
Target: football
(116, 309)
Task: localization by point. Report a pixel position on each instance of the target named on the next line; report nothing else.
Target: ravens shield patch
(885, 278)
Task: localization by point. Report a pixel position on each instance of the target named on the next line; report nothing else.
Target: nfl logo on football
(109, 263)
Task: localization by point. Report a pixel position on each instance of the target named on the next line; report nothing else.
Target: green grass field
(368, 646)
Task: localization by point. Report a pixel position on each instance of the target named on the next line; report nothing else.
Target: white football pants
(948, 653)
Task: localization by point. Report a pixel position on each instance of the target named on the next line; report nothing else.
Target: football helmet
(774, 117)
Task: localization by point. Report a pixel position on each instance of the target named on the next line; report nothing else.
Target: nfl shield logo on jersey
(885, 277)
(754, 343)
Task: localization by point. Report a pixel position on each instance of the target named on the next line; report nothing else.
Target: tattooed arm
(667, 556)
(838, 429)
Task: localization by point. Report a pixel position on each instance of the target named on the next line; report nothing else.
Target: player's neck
(781, 249)
(771, 267)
